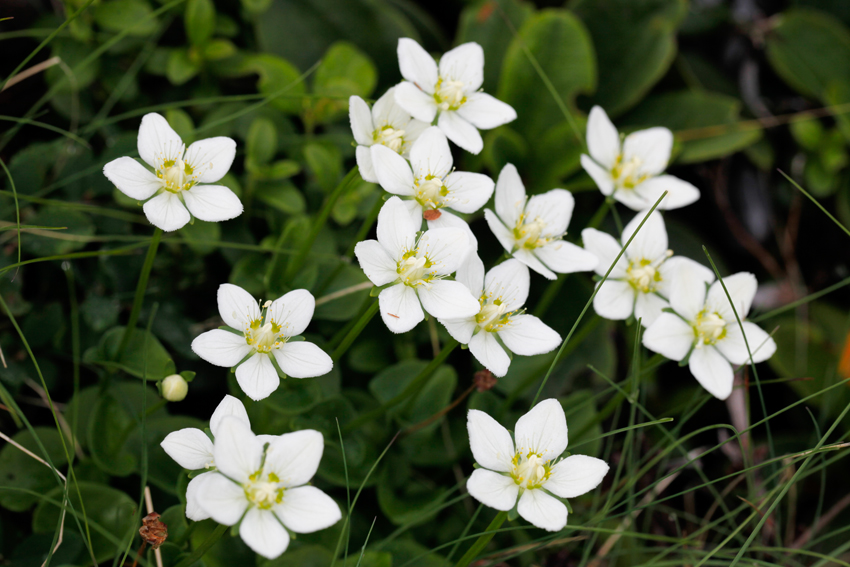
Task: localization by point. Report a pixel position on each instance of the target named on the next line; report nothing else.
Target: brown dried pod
(484, 380)
(431, 214)
(153, 531)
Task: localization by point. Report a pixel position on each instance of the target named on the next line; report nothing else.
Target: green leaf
(562, 47)
(347, 306)
(180, 67)
(282, 196)
(277, 77)
(309, 556)
(100, 313)
(121, 15)
(204, 235)
(325, 163)
(72, 54)
(635, 43)
(344, 71)
(111, 509)
(182, 124)
(217, 49)
(256, 6)
(200, 21)
(75, 223)
(807, 131)
(260, 144)
(159, 363)
(20, 471)
(108, 430)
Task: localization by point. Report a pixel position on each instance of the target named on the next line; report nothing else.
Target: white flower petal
(485, 112)
(507, 282)
(565, 257)
(444, 299)
(688, 291)
(417, 65)
(190, 448)
(451, 220)
(211, 158)
(460, 329)
(165, 211)
(307, 509)
(648, 307)
(680, 193)
(576, 475)
(386, 112)
(464, 63)
(294, 310)
(528, 336)
(194, 510)
(392, 170)
(395, 231)
(365, 165)
(158, 142)
(213, 203)
(603, 140)
(670, 336)
(671, 267)
(221, 347)
(468, 191)
(493, 489)
(489, 441)
(418, 103)
(263, 533)
(742, 289)
(471, 274)
(459, 131)
(639, 198)
(651, 146)
(294, 457)
(650, 242)
(430, 155)
(602, 177)
(734, 349)
(542, 511)
(510, 196)
(303, 360)
(375, 262)
(221, 499)
(712, 371)
(446, 248)
(606, 248)
(360, 118)
(487, 350)
(528, 258)
(238, 452)
(131, 178)
(228, 407)
(236, 306)
(257, 377)
(542, 430)
(400, 308)
(502, 233)
(555, 208)
(412, 131)
(615, 300)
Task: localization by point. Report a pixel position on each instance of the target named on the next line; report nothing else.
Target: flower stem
(482, 540)
(355, 331)
(298, 261)
(204, 547)
(141, 287)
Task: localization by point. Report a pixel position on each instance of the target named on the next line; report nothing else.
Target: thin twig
(343, 292)
(439, 414)
(149, 506)
(836, 509)
(63, 423)
(35, 69)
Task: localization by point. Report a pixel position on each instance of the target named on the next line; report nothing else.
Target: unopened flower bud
(174, 388)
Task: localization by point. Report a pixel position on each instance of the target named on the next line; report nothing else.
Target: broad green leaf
(52, 243)
(284, 197)
(159, 363)
(180, 67)
(109, 428)
(309, 556)
(403, 499)
(278, 79)
(100, 313)
(20, 471)
(199, 21)
(121, 15)
(72, 54)
(182, 124)
(345, 307)
(325, 164)
(261, 143)
(344, 71)
(204, 236)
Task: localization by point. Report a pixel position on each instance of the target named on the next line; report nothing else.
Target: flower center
(264, 337)
(176, 175)
(627, 173)
(430, 192)
(449, 94)
(413, 270)
(527, 234)
(643, 276)
(264, 492)
(492, 316)
(530, 470)
(390, 137)
(708, 328)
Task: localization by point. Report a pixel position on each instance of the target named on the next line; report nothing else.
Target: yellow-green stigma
(430, 192)
(264, 337)
(530, 470)
(449, 94)
(393, 138)
(709, 327)
(527, 233)
(413, 270)
(264, 491)
(643, 276)
(627, 174)
(176, 175)
(494, 315)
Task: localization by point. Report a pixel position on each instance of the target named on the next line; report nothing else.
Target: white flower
(432, 186)
(532, 229)
(450, 90)
(639, 284)
(412, 270)
(261, 483)
(704, 329)
(193, 450)
(259, 341)
(529, 469)
(631, 172)
(179, 173)
(501, 295)
(387, 124)
(174, 388)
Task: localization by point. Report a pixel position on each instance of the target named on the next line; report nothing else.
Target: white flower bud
(174, 388)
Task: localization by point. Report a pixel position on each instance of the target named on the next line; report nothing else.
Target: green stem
(482, 540)
(201, 549)
(296, 263)
(355, 331)
(141, 288)
(599, 215)
(411, 390)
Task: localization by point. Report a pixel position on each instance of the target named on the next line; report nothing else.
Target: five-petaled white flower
(501, 295)
(639, 284)
(432, 186)
(260, 483)
(259, 340)
(450, 89)
(193, 450)
(412, 270)
(529, 468)
(631, 172)
(387, 124)
(532, 229)
(704, 329)
(179, 173)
